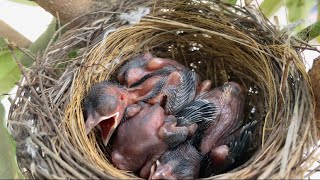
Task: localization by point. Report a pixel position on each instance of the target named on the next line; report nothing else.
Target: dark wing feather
(238, 150)
(179, 97)
(240, 145)
(197, 111)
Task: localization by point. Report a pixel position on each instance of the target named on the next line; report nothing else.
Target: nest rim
(279, 60)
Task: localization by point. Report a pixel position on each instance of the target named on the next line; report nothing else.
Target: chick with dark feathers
(186, 162)
(170, 81)
(182, 162)
(238, 146)
(142, 65)
(219, 141)
(229, 99)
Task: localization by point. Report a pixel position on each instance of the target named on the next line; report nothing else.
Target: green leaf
(73, 53)
(233, 2)
(318, 19)
(310, 32)
(26, 2)
(299, 9)
(8, 160)
(269, 7)
(3, 44)
(2, 113)
(9, 70)
(9, 73)
(41, 43)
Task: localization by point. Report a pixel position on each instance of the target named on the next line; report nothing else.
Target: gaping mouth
(107, 126)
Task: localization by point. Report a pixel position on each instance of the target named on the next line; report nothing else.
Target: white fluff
(31, 124)
(134, 17)
(32, 148)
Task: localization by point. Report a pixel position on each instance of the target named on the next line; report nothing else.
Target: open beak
(106, 124)
(107, 127)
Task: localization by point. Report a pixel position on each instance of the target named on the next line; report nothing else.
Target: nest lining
(218, 41)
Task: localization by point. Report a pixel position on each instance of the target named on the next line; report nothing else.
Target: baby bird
(186, 162)
(160, 80)
(229, 98)
(144, 66)
(232, 152)
(141, 140)
(215, 139)
(182, 162)
(104, 106)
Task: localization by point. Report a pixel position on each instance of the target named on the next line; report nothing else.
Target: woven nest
(220, 42)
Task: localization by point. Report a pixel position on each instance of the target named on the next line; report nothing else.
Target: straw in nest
(220, 42)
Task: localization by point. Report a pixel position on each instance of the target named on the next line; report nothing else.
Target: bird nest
(219, 41)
